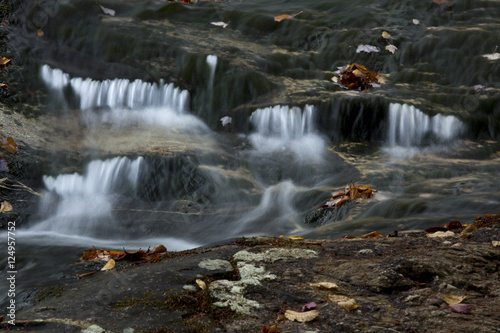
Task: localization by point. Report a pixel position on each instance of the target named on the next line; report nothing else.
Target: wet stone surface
(398, 284)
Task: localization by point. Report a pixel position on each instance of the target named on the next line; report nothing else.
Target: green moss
(48, 292)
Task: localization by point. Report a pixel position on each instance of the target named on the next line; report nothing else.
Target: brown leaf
(4, 85)
(5, 207)
(10, 145)
(270, 329)
(159, 249)
(385, 35)
(79, 276)
(40, 33)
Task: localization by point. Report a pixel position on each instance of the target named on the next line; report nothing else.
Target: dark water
(136, 101)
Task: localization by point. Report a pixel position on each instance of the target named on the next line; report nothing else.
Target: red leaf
(309, 306)
(461, 308)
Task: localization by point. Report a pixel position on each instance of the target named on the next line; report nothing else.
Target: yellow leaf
(301, 317)
(109, 265)
(325, 285)
(201, 284)
(344, 302)
(295, 237)
(4, 61)
(6, 207)
(453, 299)
(385, 34)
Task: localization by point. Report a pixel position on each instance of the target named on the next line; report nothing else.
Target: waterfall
(117, 93)
(212, 64)
(81, 204)
(126, 102)
(409, 127)
(281, 128)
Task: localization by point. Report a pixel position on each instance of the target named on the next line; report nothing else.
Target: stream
(140, 155)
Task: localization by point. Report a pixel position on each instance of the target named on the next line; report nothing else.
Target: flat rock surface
(398, 284)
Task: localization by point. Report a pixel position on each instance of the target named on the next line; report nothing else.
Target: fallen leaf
(344, 302)
(270, 329)
(201, 284)
(5, 207)
(158, 249)
(453, 299)
(416, 22)
(4, 85)
(295, 237)
(373, 234)
(391, 48)
(367, 49)
(4, 61)
(493, 56)
(40, 33)
(108, 11)
(10, 145)
(443, 2)
(309, 306)
(109, 265)
(280, 18)
(495, 243)
(361, 83)
(79, 276)
(335, 78)
(219, 24)
(461, 308)
(325, 285)
(226, 120)
(441, 234)
(385, 35)
(454, 225)
(301, 317)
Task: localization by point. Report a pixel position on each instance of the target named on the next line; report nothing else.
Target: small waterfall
(83, 202)
(212, 63)
(281, 128)
(409, 127)
(118, 93)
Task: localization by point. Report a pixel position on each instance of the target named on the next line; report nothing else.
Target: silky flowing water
(142, 158)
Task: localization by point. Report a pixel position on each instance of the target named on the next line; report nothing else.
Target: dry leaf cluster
(351, 193)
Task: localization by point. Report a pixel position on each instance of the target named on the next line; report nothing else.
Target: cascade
(212, 63)
(281, 128)
(117, 93)
(409, 126)
(80, 204)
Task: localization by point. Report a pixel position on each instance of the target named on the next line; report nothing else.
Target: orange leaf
(280, 18)
(10, 145)
(5, 207)
(4, 61)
